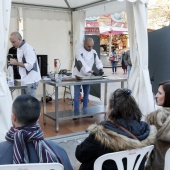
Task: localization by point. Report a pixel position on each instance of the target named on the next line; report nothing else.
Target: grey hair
(16, 35)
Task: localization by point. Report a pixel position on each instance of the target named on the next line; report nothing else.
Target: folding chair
(33, 166)
(130, 155)
(167, 160)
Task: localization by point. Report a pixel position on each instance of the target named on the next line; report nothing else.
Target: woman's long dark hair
(123, 105)
(166, 87)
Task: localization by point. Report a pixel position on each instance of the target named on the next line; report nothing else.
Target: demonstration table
(15, 87)
(70, 114)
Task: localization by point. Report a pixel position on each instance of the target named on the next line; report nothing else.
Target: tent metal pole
(71, 40)
(93, 4)
(66, 1)
(40, 6)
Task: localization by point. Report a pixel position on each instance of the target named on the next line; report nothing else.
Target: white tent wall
(139, 80)
(5, 95)
(51, 37)
(13, 22)
(48, 32)
(78, 30)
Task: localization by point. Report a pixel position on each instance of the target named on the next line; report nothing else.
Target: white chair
(131, 156)
(167, 160)
(33, 166)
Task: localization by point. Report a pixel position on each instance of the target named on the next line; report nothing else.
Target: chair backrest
(33, 166)
(167, 160)
(131, 156)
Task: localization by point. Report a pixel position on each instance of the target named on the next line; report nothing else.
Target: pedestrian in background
(124, 67)
(114, 59)
(128, 62)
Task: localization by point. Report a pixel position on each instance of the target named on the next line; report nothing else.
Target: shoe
(113, 73)
(76, 113)
(88, 117)
(76, 118)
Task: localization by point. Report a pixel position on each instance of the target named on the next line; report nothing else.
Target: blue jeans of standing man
(128, 70)
(31, 89)
(86, 89)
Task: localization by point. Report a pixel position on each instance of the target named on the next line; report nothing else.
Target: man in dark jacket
(128, 62)
(25, 142)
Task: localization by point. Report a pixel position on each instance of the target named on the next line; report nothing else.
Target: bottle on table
(58, 77)
(10, 75)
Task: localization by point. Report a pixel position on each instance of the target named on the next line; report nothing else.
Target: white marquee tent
(38, 19)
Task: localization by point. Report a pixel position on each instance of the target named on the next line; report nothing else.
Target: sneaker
(88, 117)
(113, 73)
(76, 118)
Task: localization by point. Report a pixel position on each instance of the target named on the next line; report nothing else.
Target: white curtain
(5, 95)
(139, 80)
(78, 30)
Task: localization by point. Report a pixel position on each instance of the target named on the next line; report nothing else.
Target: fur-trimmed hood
(118, 142)
(161, 119)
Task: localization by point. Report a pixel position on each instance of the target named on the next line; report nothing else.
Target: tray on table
(78, 77)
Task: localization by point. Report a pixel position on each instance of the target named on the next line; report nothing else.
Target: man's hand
(92, 72)
(95, 74)
(101, 72)
(13, 61)
(16, 63)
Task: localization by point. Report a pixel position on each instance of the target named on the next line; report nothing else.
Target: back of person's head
(26, 109)
(166, 87)
(123, 105)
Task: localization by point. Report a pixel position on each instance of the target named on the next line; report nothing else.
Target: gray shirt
(127, 59)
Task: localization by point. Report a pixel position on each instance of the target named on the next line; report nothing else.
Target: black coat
(106, 138)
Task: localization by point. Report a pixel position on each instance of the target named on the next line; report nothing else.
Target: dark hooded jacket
(106, 138)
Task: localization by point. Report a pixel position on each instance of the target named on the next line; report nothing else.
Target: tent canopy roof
(63, 4)
(92, 7)
(67, 4)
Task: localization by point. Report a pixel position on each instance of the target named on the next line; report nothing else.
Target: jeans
(128, 70)
(86, 89)
(114, 66)
(31, 89)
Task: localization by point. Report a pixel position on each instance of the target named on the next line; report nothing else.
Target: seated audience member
(25, 142)
(161, 119)
(109, 136)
